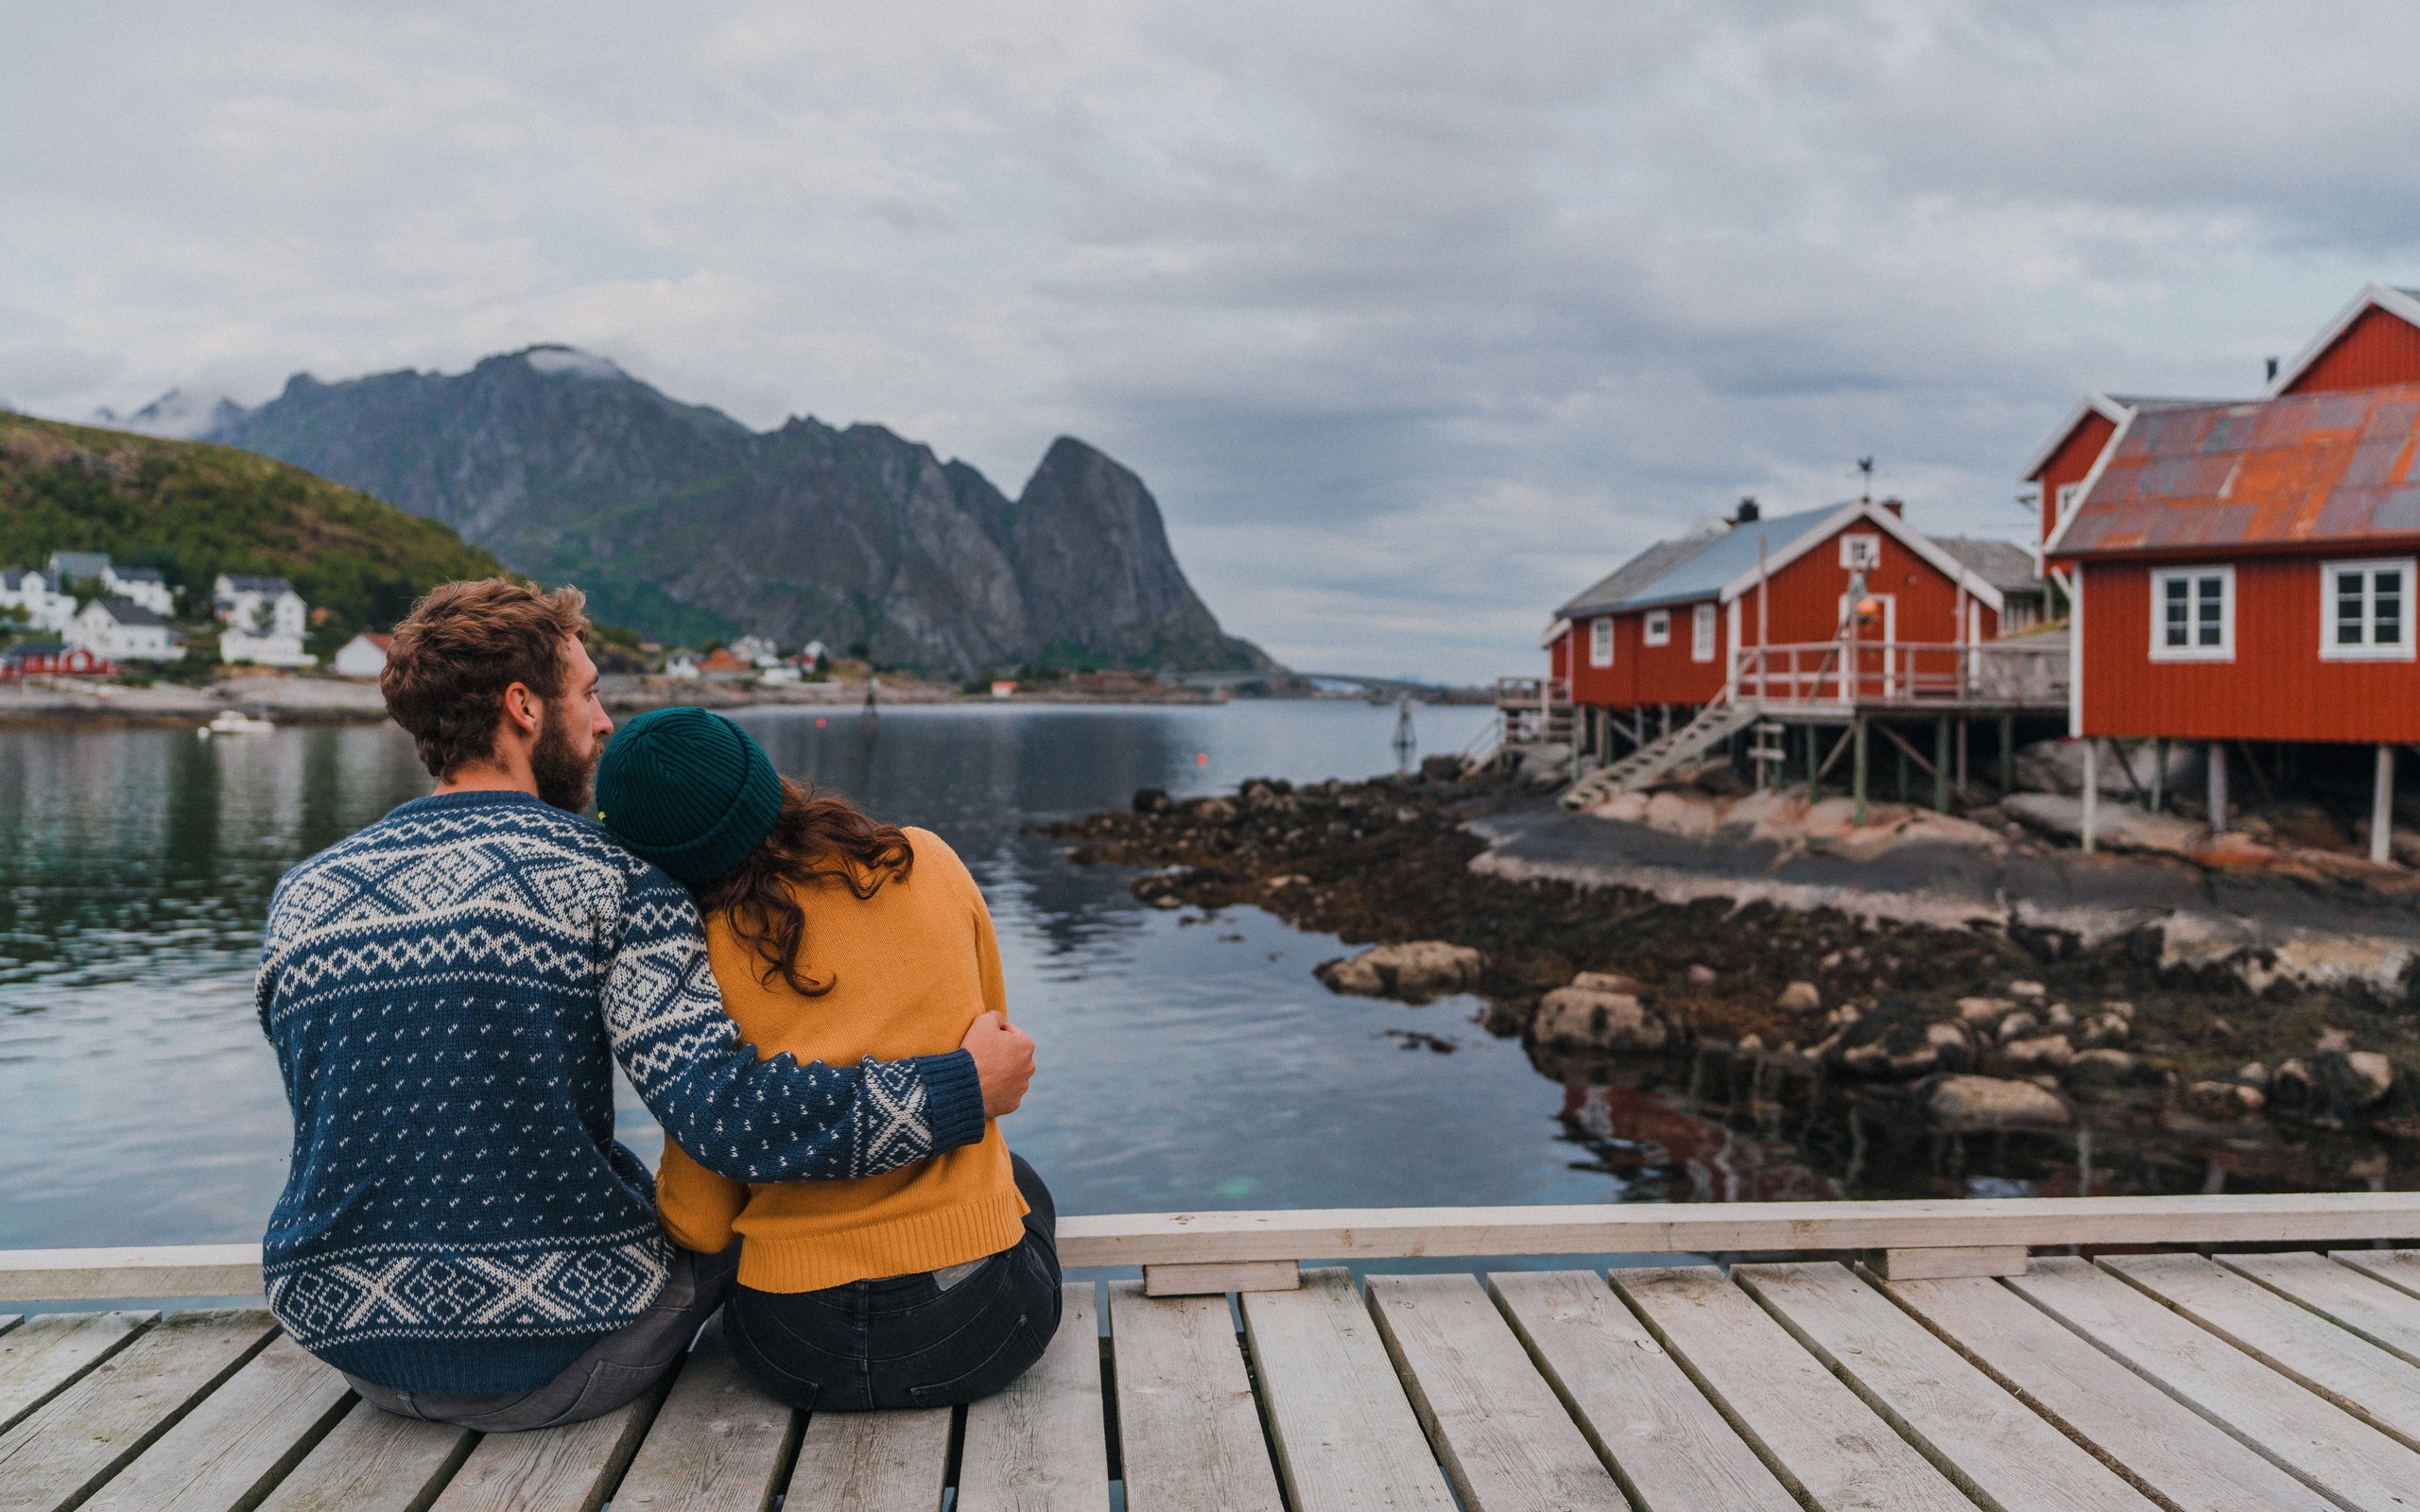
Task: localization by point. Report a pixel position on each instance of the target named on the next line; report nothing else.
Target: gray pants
(615, 1370)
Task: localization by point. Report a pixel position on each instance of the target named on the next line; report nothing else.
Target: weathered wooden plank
(2150, 1437)
(2292, 1428)
(154, 1270)
(1041, 1446)
(571, 1469)
(1943, 1264)
(43, 1356)
(1373, 1233)
(1504, 1437)
(372, 1461)
(718, 1443)
(872, 1461)
(1344, 1432)
(2348, 1371)
(1219, 1277)
(1188, 1429)
(1666, 1444)
(78, 1440)
(2377, 1312)
(2398, 1268)
(237, 1442)
(1825, 1444)
(1986, 1441)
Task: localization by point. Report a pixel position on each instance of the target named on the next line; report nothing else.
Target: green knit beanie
(688, 790)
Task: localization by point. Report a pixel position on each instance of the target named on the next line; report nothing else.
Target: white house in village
(364, 656)
(757, 651)
(265, 619)
(122, 631)
(45, 607)
(146, 586)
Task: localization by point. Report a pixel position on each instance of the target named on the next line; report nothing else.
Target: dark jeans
(908, 1341)
(614, 1371)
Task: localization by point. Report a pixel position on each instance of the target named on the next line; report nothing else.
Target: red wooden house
(2245, 570)
(51, 659)
(1658, 634)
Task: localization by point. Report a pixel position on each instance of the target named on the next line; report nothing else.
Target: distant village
(83, 615)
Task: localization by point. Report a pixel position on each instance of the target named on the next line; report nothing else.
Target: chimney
(1895, 506)
(2272, 369)
(1747, 514)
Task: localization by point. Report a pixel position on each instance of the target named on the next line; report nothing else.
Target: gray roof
(271, 586)
(127, 611)
(1675, 571)
(13, 578)
(79, 563)
(139, 575)
(2004, 564)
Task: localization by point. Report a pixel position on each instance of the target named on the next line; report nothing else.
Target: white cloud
(1416, 317)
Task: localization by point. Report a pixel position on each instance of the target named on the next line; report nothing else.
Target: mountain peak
(555, 360)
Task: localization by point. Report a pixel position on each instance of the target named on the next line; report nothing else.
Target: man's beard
(564, 775)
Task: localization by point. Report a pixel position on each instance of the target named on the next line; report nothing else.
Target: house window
(1659, 626)
(2193, 615)
(1861, 553)
(1702, 637)
(1600, 642)
(2070, 494)
(2365, 610)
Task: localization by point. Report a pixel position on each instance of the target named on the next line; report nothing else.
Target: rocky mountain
(681, 520)
(196, 511)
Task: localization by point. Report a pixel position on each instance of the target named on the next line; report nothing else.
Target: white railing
(2034, 672)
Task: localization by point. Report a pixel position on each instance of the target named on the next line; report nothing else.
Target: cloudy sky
(1417, 316)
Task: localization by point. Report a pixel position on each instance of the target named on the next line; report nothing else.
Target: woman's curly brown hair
(820, 839)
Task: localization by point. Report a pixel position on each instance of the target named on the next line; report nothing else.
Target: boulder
(1800, 997)
(1414, 972)
(1984, 1010)
(2057, 767)
(1969, 1105)
(2221, 1099)
(1609, 982)
(2028, 989)
(1152, 801)
(2017, 1026)
(1579, 1018)
(1701, 975)
(2103, 1068)
(2050, 1052)
(2115, 826)
(2105, 1029)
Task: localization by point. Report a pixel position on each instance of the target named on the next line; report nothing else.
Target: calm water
(1186, 1061)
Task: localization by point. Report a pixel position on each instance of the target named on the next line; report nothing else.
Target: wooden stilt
(2217, 787)
(2091, 795)
(1814, 768)
(2007, 755)
(1857, 732)
(2382, 808)
(1941, 766)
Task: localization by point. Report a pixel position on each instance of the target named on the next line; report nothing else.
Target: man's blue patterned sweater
(447, 992)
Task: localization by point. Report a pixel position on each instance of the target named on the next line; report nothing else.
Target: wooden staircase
(1717, 721)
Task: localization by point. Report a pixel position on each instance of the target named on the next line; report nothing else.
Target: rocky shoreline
(1949, 1021)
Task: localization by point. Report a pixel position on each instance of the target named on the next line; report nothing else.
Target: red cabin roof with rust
(2316, 469)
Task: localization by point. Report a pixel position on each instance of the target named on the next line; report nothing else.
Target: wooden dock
(1922, 1355)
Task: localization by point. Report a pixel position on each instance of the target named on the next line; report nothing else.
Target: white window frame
(2328, 649)
(1658, 629)
(1600, 642)
(1861, 551)
(2068, 497)
(2160, 649)
(1701, 634)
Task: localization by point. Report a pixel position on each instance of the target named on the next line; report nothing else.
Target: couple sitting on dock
(808, 1000)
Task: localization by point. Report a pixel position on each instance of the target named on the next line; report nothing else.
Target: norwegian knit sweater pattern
(447, 992)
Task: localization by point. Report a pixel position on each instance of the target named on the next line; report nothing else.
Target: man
(448, 991)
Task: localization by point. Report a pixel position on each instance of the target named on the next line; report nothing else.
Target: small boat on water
(237, 722)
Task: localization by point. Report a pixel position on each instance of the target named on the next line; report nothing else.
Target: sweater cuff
(954, 1093)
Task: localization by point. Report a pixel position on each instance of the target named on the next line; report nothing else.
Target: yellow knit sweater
(910, 967)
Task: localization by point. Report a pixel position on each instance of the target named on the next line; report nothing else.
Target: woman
(833, 938)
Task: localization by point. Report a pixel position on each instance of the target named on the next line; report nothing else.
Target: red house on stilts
(2242, 572)
(1832, 617)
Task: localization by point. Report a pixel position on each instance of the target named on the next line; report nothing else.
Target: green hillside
(195, 510)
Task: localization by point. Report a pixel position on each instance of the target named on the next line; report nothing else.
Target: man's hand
(1003, 1062)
